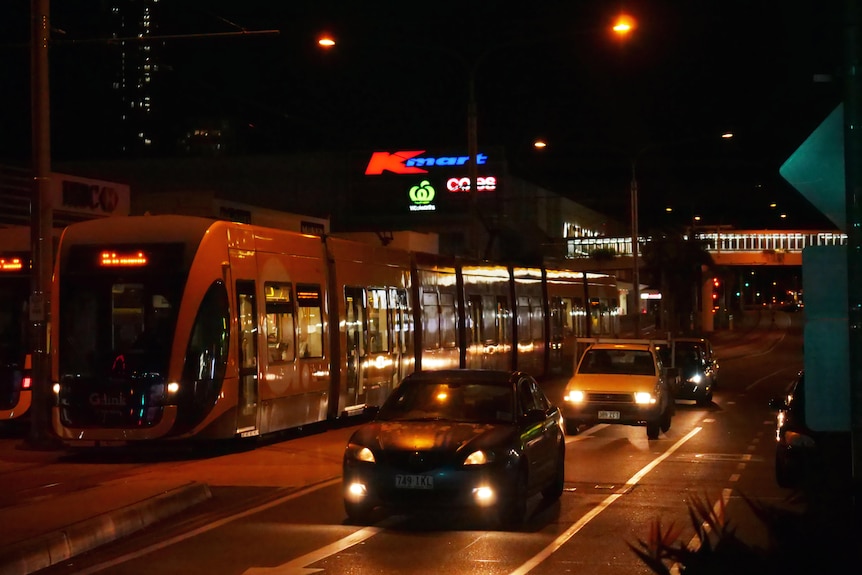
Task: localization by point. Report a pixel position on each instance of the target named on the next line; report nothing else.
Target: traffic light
(716, 294)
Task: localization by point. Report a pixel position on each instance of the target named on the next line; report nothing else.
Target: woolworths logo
(422, 196)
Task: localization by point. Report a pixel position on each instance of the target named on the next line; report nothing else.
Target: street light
(634, 223)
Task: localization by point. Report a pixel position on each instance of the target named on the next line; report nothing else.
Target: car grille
(610, 397)
(416, 461)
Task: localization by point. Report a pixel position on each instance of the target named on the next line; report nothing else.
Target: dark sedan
(468, 440)
(805, 456)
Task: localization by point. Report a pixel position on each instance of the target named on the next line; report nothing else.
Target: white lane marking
(298, 566)
(209, 527)
(717, 511)
(764, 378)
(586, 433)
(582, 522)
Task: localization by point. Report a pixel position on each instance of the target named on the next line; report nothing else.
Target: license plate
(609, 415)
(414, 481)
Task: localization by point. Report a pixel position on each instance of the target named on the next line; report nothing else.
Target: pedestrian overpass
(727, 247)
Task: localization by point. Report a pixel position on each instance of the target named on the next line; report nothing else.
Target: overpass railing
(717, 241)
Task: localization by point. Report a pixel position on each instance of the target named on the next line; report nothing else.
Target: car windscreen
(467, 402)
(618, 362)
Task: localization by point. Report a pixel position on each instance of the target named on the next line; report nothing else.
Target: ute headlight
(575, 396)
(479, 457)
(644, 398)
(360, 453)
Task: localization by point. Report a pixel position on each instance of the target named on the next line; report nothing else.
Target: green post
(853, 179)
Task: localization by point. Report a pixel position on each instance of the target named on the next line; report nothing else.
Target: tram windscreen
(118, 312)
(14, 292)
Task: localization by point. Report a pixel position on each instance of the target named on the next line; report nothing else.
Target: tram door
(354, 302)
(247, 399)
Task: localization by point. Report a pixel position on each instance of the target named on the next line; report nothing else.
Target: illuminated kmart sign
(414, 162)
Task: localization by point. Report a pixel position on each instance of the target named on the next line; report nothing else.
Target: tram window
(537, 316)
(79, 311)
(248, 357)
(127, 315)
(309, 321)
(474, 319)
(489, 320)
(431, 320)
(504, 315)
(207, 351)
(448, 321)
(567, 314)
(400, 326)
(556, 320)
(524, 320)
(354, 304)
(378, 326)
(280, 331)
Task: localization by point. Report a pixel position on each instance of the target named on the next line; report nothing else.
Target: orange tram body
(176, 327)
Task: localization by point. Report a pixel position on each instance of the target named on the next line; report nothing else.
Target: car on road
(470, 440)
(805, 456)
(621, 382)
(697, 366)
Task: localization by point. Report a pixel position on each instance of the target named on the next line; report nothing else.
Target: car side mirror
(371, 411)
(534, 416)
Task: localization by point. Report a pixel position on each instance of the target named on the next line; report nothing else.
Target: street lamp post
(636, 289)
(634, 224)
(473, 153)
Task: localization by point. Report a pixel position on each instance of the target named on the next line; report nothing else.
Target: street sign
(816, 168)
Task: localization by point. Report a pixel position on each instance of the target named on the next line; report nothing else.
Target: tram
(177, 327)
(15, 368)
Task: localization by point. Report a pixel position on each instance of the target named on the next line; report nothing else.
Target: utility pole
(41, 227)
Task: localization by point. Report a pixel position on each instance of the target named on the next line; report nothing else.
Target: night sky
(398, 79)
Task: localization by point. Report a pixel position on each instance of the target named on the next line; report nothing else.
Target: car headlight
(479, 457)
(359, 453)
(575, 396)
(695, 379)
(644, 398)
